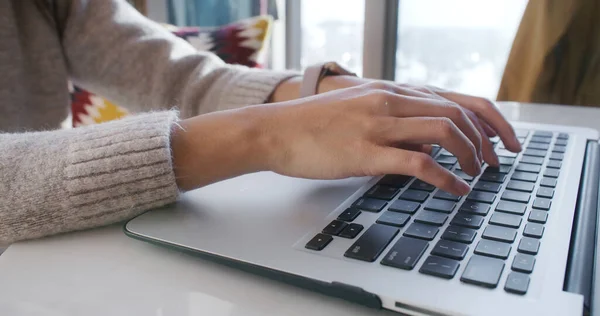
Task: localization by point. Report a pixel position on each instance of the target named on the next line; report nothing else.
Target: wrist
(217, 146)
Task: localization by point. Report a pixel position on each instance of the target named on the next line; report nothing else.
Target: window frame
(379, 37)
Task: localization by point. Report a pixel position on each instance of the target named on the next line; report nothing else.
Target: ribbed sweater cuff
(118, 169)
(249, 87)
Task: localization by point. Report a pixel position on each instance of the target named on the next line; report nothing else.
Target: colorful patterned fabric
(242, 43)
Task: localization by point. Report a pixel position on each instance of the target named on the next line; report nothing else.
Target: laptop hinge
(579, 274)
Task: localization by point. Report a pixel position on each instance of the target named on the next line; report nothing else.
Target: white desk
(103, 272)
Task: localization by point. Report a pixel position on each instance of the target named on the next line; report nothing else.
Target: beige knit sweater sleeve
(59, 181)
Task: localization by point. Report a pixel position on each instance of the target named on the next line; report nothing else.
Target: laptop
(523, 242)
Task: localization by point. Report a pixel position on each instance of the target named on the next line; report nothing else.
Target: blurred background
(516, 50)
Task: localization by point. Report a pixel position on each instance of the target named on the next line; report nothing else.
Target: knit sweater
(54, 181)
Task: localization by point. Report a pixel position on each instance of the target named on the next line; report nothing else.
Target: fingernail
(477, 166)
(462, 186)
(495, 160)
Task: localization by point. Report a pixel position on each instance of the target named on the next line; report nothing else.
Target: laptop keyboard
(517, 194)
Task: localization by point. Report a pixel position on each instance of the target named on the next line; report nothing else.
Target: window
(332, 30)
(461, 45)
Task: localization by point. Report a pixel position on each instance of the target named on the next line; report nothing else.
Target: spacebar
(372, 243)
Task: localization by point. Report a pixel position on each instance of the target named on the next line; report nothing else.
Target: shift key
(371, 243)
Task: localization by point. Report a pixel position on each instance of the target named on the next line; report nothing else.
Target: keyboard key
(505, 153)
(517, 283)
(511, 207)
(467, 220)
(443, 206)
(461, 174)
(543, 140)
(498, 233)
(557, 156)
(371, 205)
(528, 168)
(444, 152)
(559, 149)
(542, 204)
(499, 169)
(555, 164)
(403, 206)
(351, 231)
(460, 234)
(450, 249)
(548, 182)
(479, 196)
(533, 230)
(522, 140)
(521, 132)
(349, 214)
(529, 246)
(371, 243)
(318, 242)
(540, 146)
(495, 139)
(432, 218)
(447, 166)
(543, 134)
(395, 180)
(538, 216)
(382, 192)
(447, 160)
(535, 153)
(334, 228)
(533, 160)
(422, 231)
(492, 177)
(405, 253)
(545, 193)
(440, 267)
(520, 186)
(492, 248)
(552, 173)
(523, 263)
(475, 208)
(446, 196)
(414, 195)
(515, 196)
(506, 161)
(507, 220)
(393, 219)
(487, 186)
(563, 136)
(435, 149)
(483, 271)
(524, 176)
(561, 142)
(421, 185)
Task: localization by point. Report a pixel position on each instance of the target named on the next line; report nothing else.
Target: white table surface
(103, 272)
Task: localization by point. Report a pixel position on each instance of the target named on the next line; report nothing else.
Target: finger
(398, 161)
(428, 130)
(488, 130)
(489, 155)
(487, 111)
(424, 148)
(406, 106)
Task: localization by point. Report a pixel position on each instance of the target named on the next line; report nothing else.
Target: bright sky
(498, 14)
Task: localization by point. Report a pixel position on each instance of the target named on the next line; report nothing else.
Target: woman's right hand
(367, 130)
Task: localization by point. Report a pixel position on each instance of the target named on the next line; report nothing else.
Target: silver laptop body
(263, 222)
